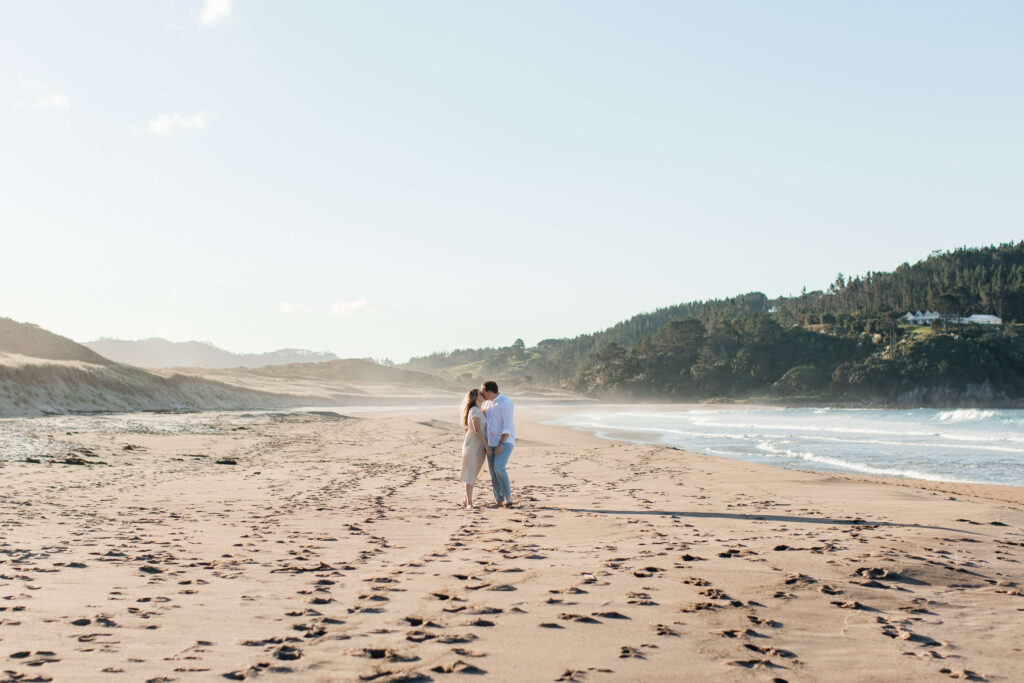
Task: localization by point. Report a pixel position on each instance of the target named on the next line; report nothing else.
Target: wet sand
(323, 547)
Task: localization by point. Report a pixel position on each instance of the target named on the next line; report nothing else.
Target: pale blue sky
(393, 178)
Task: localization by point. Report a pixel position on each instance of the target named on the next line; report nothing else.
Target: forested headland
(847, 343)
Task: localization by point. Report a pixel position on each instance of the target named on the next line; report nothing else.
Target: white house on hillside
(983, 319)
(919, 318)
(928, 317)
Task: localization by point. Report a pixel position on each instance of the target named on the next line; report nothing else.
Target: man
(501, 437)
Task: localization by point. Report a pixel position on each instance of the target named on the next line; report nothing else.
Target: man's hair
(491, 386)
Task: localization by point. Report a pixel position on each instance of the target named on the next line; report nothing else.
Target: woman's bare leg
(469, 495)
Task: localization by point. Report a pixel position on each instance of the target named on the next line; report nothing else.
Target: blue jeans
(499, 477)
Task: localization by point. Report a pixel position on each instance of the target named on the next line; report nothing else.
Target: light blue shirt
(499, 421)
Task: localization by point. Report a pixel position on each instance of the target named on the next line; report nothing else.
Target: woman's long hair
(468, 403)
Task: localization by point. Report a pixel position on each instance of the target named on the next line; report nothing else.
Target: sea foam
(970, 445)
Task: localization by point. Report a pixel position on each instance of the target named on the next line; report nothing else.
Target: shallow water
(967, 445)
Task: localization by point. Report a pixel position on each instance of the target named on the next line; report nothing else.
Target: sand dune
(320, 547)
(26, 339)
(44, 373)
(35, 386)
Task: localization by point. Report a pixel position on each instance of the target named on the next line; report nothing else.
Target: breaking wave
(968, 445)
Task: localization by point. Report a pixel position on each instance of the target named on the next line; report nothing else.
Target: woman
(474, 446)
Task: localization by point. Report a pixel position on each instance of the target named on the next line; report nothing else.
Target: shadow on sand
(756, 517)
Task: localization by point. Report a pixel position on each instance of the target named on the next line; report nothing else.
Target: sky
(391, 178)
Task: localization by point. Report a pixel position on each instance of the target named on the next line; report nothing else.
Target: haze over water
(967, 445)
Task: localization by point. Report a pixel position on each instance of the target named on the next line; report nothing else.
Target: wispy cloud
(297, 309)
(343, 309)
(43, 96)
(214, 11)
(169, 124)
(347, 308)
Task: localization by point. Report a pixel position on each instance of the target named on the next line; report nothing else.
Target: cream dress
(474, 451)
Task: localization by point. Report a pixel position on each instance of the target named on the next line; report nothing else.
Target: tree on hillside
(890, 325)
(947, 304)
(518, 350)
(734, 336)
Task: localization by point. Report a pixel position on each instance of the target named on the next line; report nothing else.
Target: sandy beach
(320, 546)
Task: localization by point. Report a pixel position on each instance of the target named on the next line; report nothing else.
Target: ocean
(967, 445)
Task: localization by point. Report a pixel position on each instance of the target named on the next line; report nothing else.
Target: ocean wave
(922, 444)
(860, 467)
(966, 415)
(978, 440)
(898, 430)
(666, 435)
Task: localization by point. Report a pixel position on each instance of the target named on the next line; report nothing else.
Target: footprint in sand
(610, 615)
(458, 666)
(383, 653)
(770, 623)
(647, 572)
(755, 664)
(287, 653)
(627, 652)
(578, 618)
(701, 607)
(734, 633)
(963, 674)
(580, 674)
(851, 604)
(419, 636)
(770, 651)
(638, 598)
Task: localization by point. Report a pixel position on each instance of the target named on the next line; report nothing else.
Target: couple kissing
(490, 435)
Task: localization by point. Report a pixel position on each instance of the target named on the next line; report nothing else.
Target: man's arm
(505, 410)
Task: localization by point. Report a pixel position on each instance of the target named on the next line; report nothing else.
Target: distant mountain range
(161, 353)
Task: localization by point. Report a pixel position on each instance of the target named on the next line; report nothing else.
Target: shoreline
(1013, 495)
(798, 442)
(1007, 492)
(1010, 494)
